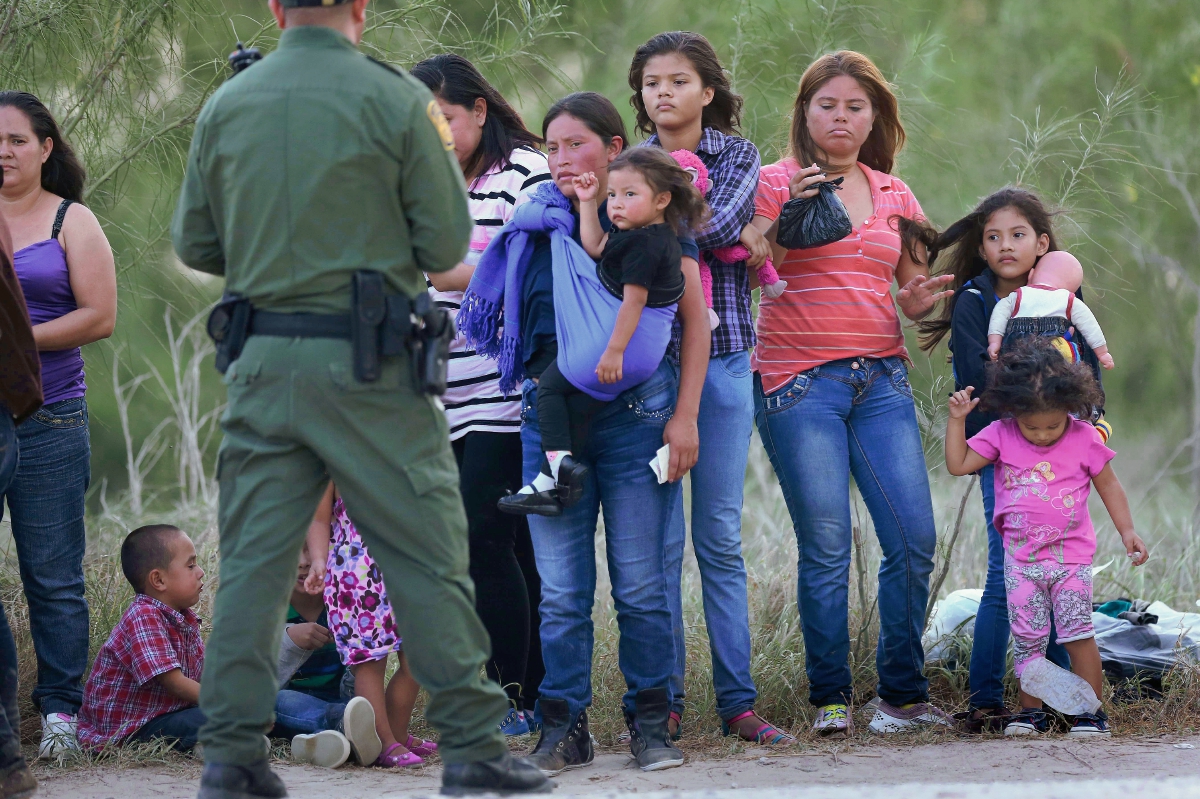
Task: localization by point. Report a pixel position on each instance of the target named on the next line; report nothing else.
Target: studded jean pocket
(899, 378)
(65, 415)
(787, 396)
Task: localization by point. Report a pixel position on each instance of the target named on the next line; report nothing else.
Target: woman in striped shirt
(833, 395)
(501, 165)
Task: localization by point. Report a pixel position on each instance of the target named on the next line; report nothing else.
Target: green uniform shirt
(312, 164)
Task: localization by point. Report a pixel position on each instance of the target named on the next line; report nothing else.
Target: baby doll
(1050, 295)
(768, 278)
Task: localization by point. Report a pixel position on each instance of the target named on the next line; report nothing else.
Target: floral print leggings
(360, 617)
(1035, 590)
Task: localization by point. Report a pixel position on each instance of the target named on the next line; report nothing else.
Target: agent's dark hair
(1033, 377)
(687, 211)
(963, 240)
(62, 174)
(592, 109)
(144, 550)
(455, 80)
(887, 134)
(724, 112)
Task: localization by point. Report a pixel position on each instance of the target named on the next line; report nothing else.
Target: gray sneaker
(889, 718)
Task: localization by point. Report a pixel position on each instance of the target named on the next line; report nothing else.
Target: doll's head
(1059, 269)
(692, 164)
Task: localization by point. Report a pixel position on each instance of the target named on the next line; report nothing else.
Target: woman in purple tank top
(66, 270)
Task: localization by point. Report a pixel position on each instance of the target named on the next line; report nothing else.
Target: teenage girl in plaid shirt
(684, 102)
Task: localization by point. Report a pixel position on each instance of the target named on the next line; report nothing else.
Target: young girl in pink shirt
(1046, 462)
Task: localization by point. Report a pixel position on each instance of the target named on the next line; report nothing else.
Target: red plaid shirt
(121, 694)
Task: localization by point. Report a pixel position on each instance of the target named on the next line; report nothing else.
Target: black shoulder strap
(59, 217)
(386, 66)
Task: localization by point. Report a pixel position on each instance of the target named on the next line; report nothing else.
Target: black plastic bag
(807, 222)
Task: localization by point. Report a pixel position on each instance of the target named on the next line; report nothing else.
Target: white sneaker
(889, 718)
(58, 736)
(358, 723)
(328, 749)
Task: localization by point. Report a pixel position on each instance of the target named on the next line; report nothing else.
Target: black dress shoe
(502, 775)
(571, 478)
(227, 781)
(539, 503)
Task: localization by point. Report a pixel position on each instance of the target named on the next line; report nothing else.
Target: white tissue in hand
(661, 465)
(1060, 689)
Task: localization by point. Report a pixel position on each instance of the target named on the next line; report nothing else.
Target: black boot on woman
(649, 737)
(565, 743)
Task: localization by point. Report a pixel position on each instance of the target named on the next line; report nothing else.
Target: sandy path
(959, 761)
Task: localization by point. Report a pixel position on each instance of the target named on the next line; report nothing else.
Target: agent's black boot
(502, 775)
(649, 736)
(227, 781)
(565, 742)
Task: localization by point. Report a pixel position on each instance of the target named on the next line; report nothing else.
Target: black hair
(964, 238)
(687, 210)
(62, 174)
(592, 109)
(724, 112)
(1033, 377)
(144, 550)
(455, 80)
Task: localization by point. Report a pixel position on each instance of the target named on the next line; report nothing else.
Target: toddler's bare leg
(368, 683)
(401, 698)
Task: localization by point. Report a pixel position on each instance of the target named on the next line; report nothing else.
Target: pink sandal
(419, 747)
(404, 759)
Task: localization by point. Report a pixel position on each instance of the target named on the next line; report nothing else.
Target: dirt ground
(850, 763)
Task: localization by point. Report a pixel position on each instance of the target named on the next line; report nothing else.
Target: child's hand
(757, 244)
(314, 583)
(586, 187)
(611, 367)
(1106, 360)
(310, 636)
(961, 403)
(993, 351)
(1135, 547)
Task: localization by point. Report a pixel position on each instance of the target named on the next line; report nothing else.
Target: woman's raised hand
(804, 183)
(586, 187)
(918, 296)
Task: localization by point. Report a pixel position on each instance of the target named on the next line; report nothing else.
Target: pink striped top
(838, 303)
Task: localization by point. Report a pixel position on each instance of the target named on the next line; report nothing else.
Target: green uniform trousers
(297, 418)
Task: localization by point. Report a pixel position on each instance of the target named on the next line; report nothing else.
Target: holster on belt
(228, 327)
(368, 310)
(433, 332)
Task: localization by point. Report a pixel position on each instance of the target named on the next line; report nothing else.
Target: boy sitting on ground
(145, 681)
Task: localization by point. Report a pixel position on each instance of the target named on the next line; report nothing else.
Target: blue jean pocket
(65, 415)
(653, 400)
(899, 377)
(786, 396)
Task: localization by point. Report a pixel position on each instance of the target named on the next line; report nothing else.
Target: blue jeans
(46, 499)
(726, 421)
(624, 439)
(854, 417)
(297, 712)
(10, 720)
(181, 725)
(989, 651)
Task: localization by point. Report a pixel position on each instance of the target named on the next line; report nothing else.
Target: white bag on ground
(1060, 689)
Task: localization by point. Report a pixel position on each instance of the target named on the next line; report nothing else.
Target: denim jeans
(726, 421)
(181, 725)
(46, 500)
(854, 417)
(10, 721)
(297, 712)
(625, 437)
(989, 651)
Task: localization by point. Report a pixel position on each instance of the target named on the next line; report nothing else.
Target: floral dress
(360, 616)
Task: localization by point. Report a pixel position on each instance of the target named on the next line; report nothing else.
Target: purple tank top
(42, 270)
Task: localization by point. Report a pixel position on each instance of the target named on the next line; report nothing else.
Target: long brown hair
(687, 211)
(724, 112)
(963, 240)
(887, 134)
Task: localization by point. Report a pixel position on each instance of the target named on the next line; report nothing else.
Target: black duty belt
(300, 325)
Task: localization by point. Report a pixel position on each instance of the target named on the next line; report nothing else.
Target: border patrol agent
(315, 175)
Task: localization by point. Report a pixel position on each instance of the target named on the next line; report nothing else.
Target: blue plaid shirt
(733, 164)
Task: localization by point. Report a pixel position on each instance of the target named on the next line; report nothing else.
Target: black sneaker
(1030, 721)
(565, 742)
(539, 503)
(227, 781)
(1090, 725)
(571, 478)
(502, 775)
(649, 736)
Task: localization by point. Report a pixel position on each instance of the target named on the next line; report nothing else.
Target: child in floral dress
(364, 631)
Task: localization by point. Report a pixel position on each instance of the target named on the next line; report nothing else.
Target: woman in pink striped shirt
(833, 393)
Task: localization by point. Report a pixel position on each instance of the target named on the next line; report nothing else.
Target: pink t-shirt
(1042, 492)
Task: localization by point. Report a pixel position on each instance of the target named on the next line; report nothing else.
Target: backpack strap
(59, 217)
(1017, 304)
